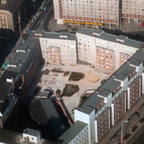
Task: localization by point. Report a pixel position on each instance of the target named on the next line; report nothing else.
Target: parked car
(44, 8)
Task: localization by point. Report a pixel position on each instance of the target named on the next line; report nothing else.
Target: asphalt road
(42, 21)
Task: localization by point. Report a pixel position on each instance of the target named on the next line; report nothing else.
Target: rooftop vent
(121, 38)
(64, 35)
(13, 63)
(98, 32)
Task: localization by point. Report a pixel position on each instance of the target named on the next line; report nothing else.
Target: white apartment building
(77, 134)
(133, 10)
(108, 104)
(104, 50)
(58, 48)
(94, 47)
(102, 11)
(87, 10)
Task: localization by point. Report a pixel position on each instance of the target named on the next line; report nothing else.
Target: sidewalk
(126, 27)
(115, 128)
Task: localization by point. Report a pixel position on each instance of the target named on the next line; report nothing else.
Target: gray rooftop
(21, 47)
(121, 38)
(63, 35)
(92, 101)
(106, 88)
(31, 132)
(72, 132)
(9, 137)
(11, 5)
(124, 71)
(22, 56)
(44, 93)
(111, 37)
(13, 62)
(86, 109)
(137, 58)
(44, 112)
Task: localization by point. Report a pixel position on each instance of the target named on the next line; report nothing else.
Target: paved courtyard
(92, 80)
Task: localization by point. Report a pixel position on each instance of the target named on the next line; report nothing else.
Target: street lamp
(123, 121)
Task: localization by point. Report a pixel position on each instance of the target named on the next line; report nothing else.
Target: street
(43, 18)
(128, 125)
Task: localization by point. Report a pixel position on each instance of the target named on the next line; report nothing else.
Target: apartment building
(21, 68)
(94, 47)
(58, 48)
(100, 11)
(104, 50)
(77, 134)
(108, 104)
(132, 10)
(9, 10)
(119, 106)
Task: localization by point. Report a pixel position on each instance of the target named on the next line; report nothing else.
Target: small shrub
(66, 73)
(76, 76)
(69, 90)
(58, 91)
(103, 81)
(56, 70)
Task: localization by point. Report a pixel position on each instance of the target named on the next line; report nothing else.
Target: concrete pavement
(58, 81)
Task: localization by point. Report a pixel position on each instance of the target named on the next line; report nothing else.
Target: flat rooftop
(72, 132)
(44, 112)
(31, 132)
(92, 101)
(106, 88)
(8, 136)
(56, 35)
(11, 5)
(110, 37)
(123, 72)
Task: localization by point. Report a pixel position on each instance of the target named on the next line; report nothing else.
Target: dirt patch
(90, 78)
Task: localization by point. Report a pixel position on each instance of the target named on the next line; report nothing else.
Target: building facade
(104, 50)
(109, 103)
(132, 10)
(100, 11)
(77, 134)
(10, 11)
(94, 47)
(20, 72)
(58, 48)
